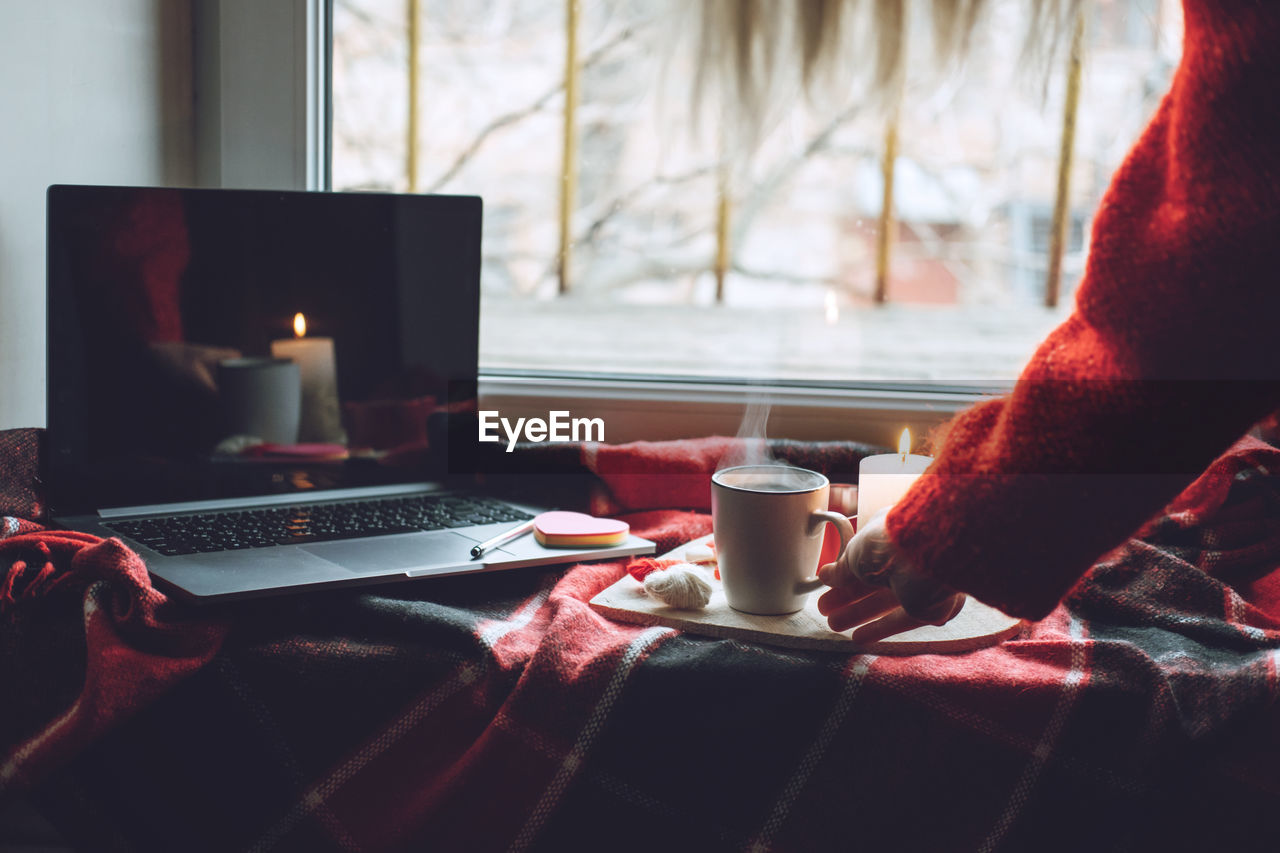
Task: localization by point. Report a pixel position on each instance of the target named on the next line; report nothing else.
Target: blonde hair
(757, 51)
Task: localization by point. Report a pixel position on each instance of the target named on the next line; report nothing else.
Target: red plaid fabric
(500, 712)
(90, 642)
(657, 475)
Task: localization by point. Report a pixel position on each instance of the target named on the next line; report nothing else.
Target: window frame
(261, 93)
(264, 119)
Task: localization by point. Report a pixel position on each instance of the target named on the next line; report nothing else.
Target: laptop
(262, 392)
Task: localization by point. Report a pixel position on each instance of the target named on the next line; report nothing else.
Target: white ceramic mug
(261, 397)
(768, 522)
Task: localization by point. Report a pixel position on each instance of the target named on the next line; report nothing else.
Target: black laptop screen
(226, 343)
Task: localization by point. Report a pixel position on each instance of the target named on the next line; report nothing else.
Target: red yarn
(641, 567)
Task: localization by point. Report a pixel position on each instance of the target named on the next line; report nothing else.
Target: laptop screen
(227, 343)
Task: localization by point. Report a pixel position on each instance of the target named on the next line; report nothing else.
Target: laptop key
(173, 549)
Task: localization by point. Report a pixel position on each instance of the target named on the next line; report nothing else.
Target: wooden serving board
(975, 627)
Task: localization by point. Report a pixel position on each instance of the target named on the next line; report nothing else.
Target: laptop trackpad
(395, 553)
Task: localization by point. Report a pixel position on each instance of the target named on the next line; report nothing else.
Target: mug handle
(817, 518)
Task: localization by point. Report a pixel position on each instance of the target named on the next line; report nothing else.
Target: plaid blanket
(501, 713)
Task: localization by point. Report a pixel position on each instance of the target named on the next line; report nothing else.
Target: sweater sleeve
(1172, 352)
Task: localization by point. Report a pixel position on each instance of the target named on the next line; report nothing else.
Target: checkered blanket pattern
(502, 713)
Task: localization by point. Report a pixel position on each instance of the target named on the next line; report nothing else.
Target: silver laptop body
(145, 282)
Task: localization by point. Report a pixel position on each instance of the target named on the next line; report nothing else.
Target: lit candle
(321, 420)
(883, 479)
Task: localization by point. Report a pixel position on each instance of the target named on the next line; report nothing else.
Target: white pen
(501, 538)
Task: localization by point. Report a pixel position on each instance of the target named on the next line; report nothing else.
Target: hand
(192, 364)
(875, 587)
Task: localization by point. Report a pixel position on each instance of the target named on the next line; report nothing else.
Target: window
(768, 273)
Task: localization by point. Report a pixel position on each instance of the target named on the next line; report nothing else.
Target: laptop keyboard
(293, 525)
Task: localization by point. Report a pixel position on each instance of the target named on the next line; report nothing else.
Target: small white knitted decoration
(684, 586)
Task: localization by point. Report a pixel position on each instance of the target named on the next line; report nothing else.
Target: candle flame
(904, 444)
(299, 325)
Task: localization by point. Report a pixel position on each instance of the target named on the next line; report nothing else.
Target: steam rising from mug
(752, 448)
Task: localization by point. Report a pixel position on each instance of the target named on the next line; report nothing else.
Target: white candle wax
(883, 479)
(321, 420)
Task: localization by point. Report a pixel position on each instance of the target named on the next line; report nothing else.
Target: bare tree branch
(764, 191)
(620, 202)
(508, 119)
(671, 264)
(362, 15)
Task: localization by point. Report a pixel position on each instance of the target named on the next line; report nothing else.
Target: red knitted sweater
(1172, 353)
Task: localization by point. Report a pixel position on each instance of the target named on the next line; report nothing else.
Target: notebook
(263, 392)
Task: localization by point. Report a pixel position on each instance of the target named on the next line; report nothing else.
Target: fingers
(894, 622)
(835, 598)
(879, 614)
(205, 363)
(838, 573)
(941, 611)
(213, 355)
(864, 559)
(204, 376)
(925, 598)
(878, 591)
(832, 576)
(870, 607)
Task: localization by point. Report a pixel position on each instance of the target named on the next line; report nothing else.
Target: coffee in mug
(768, 522)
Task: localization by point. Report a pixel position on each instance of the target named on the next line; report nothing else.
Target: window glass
(796, 229)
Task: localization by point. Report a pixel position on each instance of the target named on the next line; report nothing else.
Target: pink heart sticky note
(559, 529)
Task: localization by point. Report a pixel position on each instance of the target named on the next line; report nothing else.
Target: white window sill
(653, 409)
